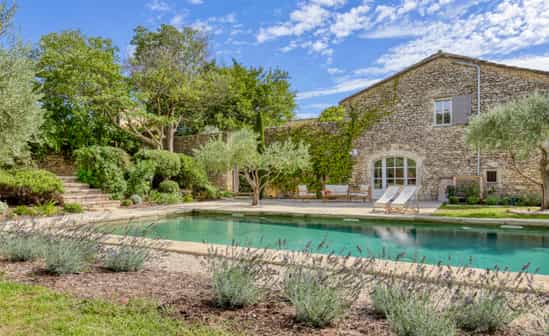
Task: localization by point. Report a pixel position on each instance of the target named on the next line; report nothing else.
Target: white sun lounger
(402, 202)
(385, 200)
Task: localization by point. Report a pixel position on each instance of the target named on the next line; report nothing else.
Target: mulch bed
(188, 297)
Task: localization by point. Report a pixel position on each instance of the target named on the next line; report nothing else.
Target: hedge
(191, 175)
(30, 186)
(103, 167)
(167, 163)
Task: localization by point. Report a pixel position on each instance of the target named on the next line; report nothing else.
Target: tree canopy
(259, 169)
(167, 70)
(520, 128)
(83, 87)
(236, 93)
(20, 113)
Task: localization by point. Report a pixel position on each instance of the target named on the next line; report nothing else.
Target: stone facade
(440, 152)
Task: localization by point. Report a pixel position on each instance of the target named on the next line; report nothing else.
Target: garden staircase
(88, 198)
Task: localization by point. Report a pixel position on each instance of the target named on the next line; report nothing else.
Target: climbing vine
(331, 143)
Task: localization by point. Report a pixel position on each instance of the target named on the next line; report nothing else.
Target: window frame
(436, 113)
(491, 183)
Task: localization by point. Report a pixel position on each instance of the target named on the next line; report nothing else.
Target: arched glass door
(393, 171)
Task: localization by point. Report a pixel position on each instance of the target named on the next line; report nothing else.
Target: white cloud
(335, 71)
(158, 6)
(346, 86)
(539, 62)
(177, 21)
(195, 2)
(348, 22)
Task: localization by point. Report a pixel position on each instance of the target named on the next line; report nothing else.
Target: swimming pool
(488, 246)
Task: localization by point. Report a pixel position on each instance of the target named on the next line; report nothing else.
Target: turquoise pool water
(488, 246)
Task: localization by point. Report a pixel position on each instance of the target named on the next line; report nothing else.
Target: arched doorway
(393, 170)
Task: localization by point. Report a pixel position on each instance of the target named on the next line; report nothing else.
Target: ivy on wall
(331, 143)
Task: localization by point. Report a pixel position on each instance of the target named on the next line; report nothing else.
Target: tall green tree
(238, 93)
(83, 87)
(167, 68)
(259, 169)
(520, 128)
(20, 113)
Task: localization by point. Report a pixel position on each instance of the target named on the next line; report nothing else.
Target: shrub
(191, 175)
(47, 209)
(237, 274)
(168, 186)
(166, 163)
(533, 200)
(21, 247)
(136, 199)
(453, 200)
(126, 258)
(450, 191)
(73, 208)
(126, 203)
(30, 186)
(235, 286)
(413, 316)
(492, 200)
(473, 200)
(65, 256)
(482, 311)
(317, 295)
(188, 198)
(140, 178)
(23, 210)
(103, 167)
(385, 297)
(165, 198)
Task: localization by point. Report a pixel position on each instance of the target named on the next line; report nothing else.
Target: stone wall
(440, 151)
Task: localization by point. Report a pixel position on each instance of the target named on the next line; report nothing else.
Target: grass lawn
(482, 211)
(33, 310)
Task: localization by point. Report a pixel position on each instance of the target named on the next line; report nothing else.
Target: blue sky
(331, 48)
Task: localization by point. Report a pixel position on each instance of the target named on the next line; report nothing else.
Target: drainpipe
(478, 104)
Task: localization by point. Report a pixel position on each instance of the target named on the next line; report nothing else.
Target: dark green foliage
(30, 186)
(260, 130)
(72, 208)
(166, 163)
(103, 167)
(140, 178)
(453, 199)
(486, 311)
(126, 203)
(83, 88)
(473, 200)
(192, 175)
(533, 200)
(126, 258)
(165, 198)
(167, 186)
(492, 200)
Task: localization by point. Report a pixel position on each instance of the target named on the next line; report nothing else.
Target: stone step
(102, 205)
(75, 185)
(85, 198)
(68, 178)
(83, 191)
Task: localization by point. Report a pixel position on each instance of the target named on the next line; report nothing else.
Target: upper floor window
(443, 112)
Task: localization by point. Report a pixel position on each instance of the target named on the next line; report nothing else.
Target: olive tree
(520, 128)
(258, 168)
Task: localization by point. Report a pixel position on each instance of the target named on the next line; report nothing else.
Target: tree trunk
(170, 138)
(544, 165)
(255, 196)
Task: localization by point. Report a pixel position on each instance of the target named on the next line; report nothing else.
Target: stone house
(420, 138)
